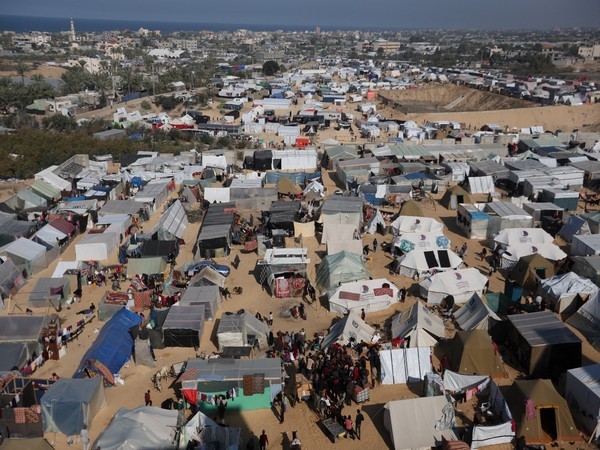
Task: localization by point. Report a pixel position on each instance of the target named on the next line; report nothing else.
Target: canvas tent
(408, 242)
(376, 222)
(541, 414)
(461, 284)
(404, 365)
(419, 422)
(530, 270)
(425, 262)
(455, 196)
(351, 326)
(49, 292)
(513, 253)
(473, 352)
(184, 325)
(411, 209)
(26, 255)
(413, 224)
(418, 325)
(96, 247)
(563, 290)
(582, 392)
(545, 346)
(340, 268)
(475, 314)
(370, 295)
(514, 236)
(209, 296)
(71, 403)
(141, 428)
(149, 266)
(241, 330)
(587, 321)
(201, 428)
(11, 280)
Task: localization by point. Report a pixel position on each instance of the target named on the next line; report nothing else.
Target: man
(147, 398)
(264, 440)
(85, 437)
(375, 244)
(363, 315)
(284, 402)
(221, 407)
(359, 420)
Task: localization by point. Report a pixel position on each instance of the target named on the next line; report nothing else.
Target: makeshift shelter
(460, 284)
(154, 193)
(283, 214)
(49, 292)
(184, 325)
(404, 365)
(338, 232)
(370, 295)
(574, 226)
(425, 262)
(166, 249)
(96, 247)
(11, 280)
(173, 222)
(148, 266)
(71, 403)
(513, 253)
(144, 427)
(283, 270)
(587, 267)
(340, 268)
(254, 383)
(111, 349)
(201, 428)
(418, 326)
(338, 209)
(472, 222)
(209, 296)
(26, 255)
(285, 186)
(481, 185)
(215, 235)
(352, 246)
(414, 224)
(505, 215)
(475, 314)
(587, 321)
(582, 392)
(545, 346)
(349, 327)
(242, 330)
(376, 223)
(473, 352)
(408, 242)
(530, 270)
(454, 196)
(541, 414)
(513, 236)
(563, 292)
(585, 245)
(420, 422)
(411, 209)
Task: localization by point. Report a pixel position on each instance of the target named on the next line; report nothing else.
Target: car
(220, 268)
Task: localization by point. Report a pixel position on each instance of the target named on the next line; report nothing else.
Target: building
(381, 45)
(589, 52)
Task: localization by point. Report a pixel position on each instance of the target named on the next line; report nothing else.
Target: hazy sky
(327, 13)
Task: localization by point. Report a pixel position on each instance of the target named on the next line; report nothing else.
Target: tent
(574, 226)
(475, 314)
(375, 222)
(184, 325)
(283, 270)
(162, 248)
(582, 392)
(587, 267)
(337, 232)
(414, 224)
(11, 280)
(285, 186)
(411, 209)
(424, 262)
(404, 365)
(545, 346)
(461, 284)
(342, 210)
(530, 270)
(215, 234)
(408, 242)
(514, 236)
(351, 326)
(513, 253)
(587, 321)
(71, 403)
(173, 222)
(340, 268)
(209, 296)
(563, 290)
(541, 414)
(150, 266)
(370, 295)
(26, 255)
(144, 427)
(352, 246)
(419, 325)
(585, 245)
(473, 352)
(96, 247)
(241, 330)
(315, 188)
(201, 428)
(111, 349)
(419, 422)
(49, 292)
(454, 196)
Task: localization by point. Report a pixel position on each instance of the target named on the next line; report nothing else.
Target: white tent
(421, 241)
(96, 247)
(201, 428)
(583, 394)
(296, 159)
(173, 222)
(419, 324)
(587, 321)
(315, 187)
(337, 232)
(376, 220)
(475, 314)
(370, 295)
(422, 262)
(513, 253)
(461, 284)
(482, 185)
(50, 235)
(413, 224)
(516, 236)
(418, 423)
(404, 365)
(353, 246)
(351, 326)
(26, 254)
(562, 290)
(235, 330)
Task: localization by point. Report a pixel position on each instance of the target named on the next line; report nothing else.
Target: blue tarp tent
(136, 182)
(112, 348)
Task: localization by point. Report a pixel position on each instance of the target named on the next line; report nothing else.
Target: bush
(145, 105)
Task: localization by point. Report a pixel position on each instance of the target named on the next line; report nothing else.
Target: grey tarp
(173, 222)
(234, 330)
(121, 207)
(209, 296)
(351, 326)
(16, 354)
(142, 354)
(11, 279)
(49, 292)
(27, 255)
(22, 328)
(339, 268)
(71, 403)
(184, 325)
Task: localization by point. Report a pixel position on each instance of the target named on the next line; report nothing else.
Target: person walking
(284, 402)
(375, 244)
(363, 315)
(358, 422)
(264, 440)
(221, 408)
(147, 398)
(349, 428)
(85, 437)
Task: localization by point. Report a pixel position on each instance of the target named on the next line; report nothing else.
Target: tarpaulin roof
(22, 328)
(423, 327)
(16, 354)
(174, 221)
(474, 314)
(340, 268)
(114, 345)
(543, 328)
(209, 296)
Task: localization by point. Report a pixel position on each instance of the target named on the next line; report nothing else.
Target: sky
(392, 14)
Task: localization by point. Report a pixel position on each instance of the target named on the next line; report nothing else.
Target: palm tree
(22, 70)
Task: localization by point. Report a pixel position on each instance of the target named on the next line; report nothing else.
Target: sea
(23, 24)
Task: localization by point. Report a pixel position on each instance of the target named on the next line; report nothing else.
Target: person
(483, 253)
(376, 338)
(270, 318)
(221, 407)
(375, 244)
(463, 250)
(55, 377)
(358, 422)
(264, 440)
(295, 444)
(284, 402)
(85, 437)
(363, 315)
(491, 271)
(147, 398)
(443, 364)
(349, 428)
(366, 250)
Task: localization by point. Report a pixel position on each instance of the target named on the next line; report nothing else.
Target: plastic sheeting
(337, 232)
(202, 429)
(492, 435)
(475, 314)
(418, 323)
(583, 394)
(405, 365)
(340, 268)
(349, 327)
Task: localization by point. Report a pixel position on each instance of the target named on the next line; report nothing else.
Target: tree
(270, 68)
(58, 122)
(22, 70)
(146, 106)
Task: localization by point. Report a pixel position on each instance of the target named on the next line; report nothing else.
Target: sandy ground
(44, 70)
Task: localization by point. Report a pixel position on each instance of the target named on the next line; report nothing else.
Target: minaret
(72, 32)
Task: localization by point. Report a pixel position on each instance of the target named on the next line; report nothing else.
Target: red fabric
(191, 395)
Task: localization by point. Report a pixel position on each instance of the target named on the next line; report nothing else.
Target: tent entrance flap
(548, 422)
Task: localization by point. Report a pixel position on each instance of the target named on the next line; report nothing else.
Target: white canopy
(419, 262)
(513, 253)
(515, 236)
(419, 324)
(475, 314)
(370, 295)
(405, 365)
(461, 284)
(349, 327)
(422, 241)
(413, 224)
(96, 247)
